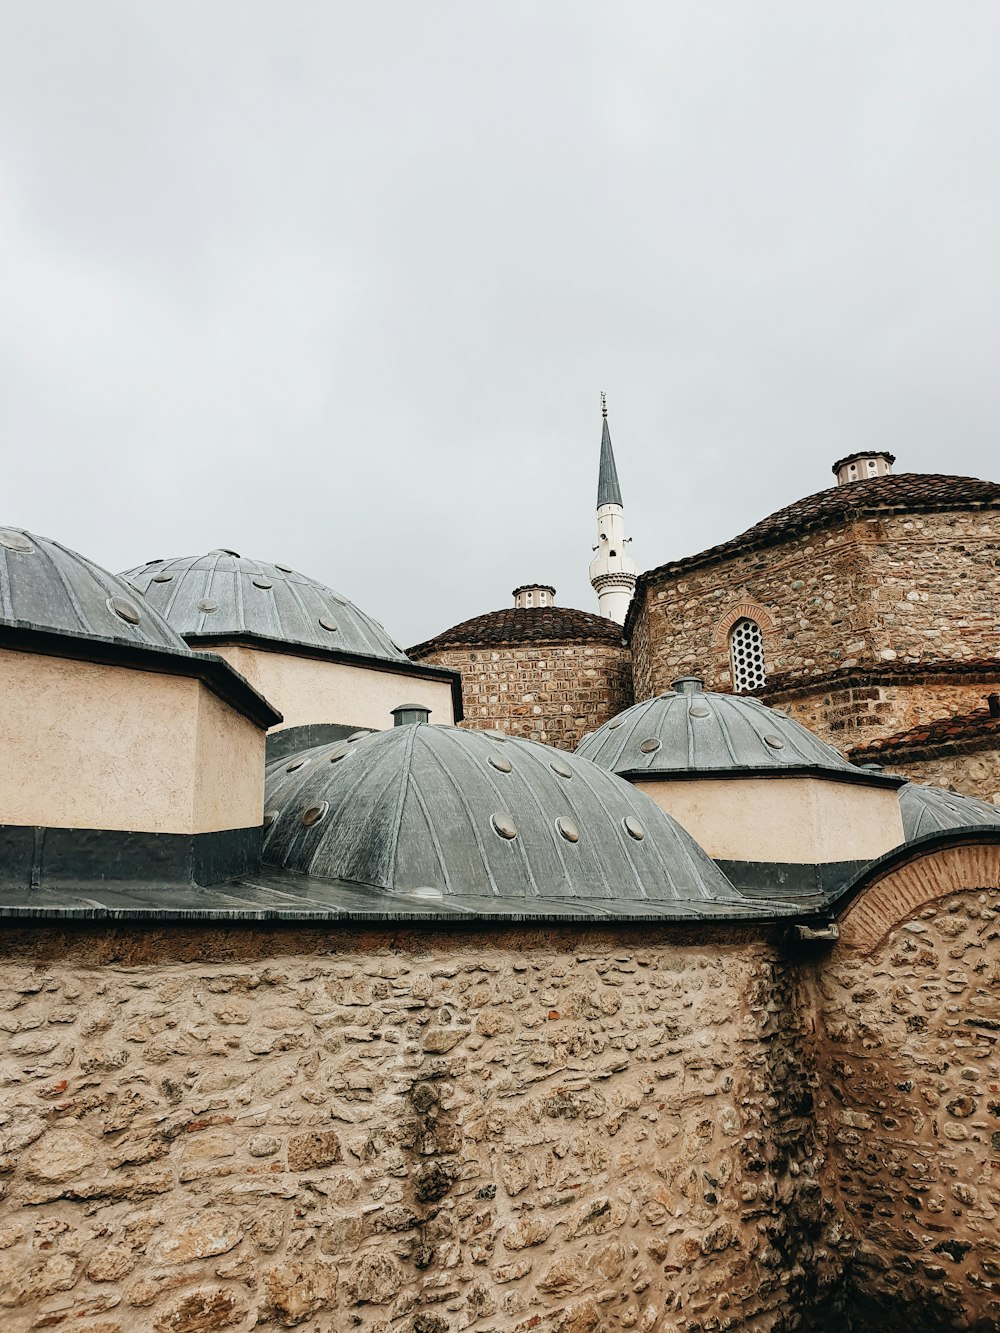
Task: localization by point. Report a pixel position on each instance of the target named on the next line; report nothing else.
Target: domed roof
(225, 595)
(908, 492)
(524, 624)
(46, 586)
(474, 818)
(934, 810)
(690, 730)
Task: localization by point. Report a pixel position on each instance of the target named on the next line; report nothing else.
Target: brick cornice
(972, 671)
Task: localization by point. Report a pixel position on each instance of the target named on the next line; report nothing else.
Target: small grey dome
(934, 810)
(46, 586)
(438, 811)
(690, 730)
(225, 594)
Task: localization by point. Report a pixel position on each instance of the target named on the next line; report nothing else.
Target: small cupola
(411, 715)
(532, 595)
(863, 466)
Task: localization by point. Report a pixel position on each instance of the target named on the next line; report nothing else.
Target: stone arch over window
(742, 634)
(902, 887)
(743, 610)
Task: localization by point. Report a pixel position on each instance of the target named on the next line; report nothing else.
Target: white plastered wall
(802, 821)
(307, 690)
(86, 745)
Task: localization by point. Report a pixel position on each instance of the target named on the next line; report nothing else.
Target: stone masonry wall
(974, 774)
(894, 588)
(570, 1132)
(553, 693)
(908, 1045)
(849, 715)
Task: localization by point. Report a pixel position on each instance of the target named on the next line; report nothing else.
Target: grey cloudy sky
(339, 284)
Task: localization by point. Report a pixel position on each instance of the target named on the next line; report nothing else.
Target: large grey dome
(480, 820)
(45, 586)
(934, 810)
(223, 595)
(690, 730)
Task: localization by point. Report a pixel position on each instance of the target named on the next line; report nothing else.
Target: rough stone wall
(908, 1047)
(553, 693)
(570, 1131)
(848, 715)
(642, 666)
(974, 774)
(898, 587)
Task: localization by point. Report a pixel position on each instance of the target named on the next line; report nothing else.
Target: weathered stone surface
(307, 1152)
(196, 1237)
(200, 1312)
(294, 1291)
(527, 1231)
(711, 1132)
(376, 1278)
(60, 1155)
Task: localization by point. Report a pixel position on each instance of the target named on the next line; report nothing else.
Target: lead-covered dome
(45, 586)
(934, 810)
(488, 823)
(226, 595)
(691, 730)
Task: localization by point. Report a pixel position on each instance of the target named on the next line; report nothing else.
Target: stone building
(866, 611)
(535, 669)
(345, 1021)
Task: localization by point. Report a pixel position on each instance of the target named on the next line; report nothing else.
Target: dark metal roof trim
(862, 778)
(213, 671)
(283, 897)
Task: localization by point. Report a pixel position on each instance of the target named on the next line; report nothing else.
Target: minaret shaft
(612, 571)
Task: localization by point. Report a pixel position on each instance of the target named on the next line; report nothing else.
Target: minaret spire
(612, 572)
(608, 490)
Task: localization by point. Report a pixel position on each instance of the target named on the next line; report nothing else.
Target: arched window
(746, 654)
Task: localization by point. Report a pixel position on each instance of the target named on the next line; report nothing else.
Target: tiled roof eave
(965, 734)
(830, 508)
(516, 627)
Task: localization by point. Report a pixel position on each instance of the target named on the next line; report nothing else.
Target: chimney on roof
(863, 466)
(533, 595)
(409, 715)
(993, 703)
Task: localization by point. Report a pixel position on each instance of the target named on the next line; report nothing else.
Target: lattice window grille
(746, 653)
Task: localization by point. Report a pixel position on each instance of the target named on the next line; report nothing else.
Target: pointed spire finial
(604, 405)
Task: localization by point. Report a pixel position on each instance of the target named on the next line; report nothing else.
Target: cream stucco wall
(797, 820)
(308, 690)
(93, 746)
(229, 767)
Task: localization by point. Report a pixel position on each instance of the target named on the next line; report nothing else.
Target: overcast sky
(339, 284)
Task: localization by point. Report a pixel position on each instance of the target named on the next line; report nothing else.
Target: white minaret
(612, 572)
